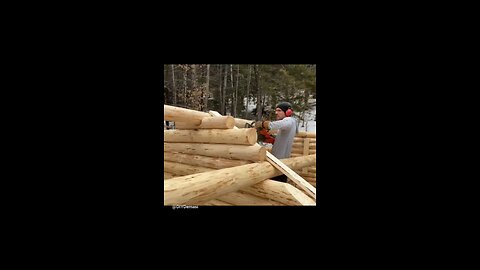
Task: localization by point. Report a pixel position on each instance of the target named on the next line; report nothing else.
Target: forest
(228, 88)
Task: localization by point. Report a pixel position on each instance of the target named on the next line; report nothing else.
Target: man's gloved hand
(263, 124)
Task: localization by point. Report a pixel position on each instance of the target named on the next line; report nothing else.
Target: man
(287, 128)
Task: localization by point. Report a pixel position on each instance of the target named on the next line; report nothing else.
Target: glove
(262, 124)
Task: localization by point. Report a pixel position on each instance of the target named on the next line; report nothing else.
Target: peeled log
(300, 140)
(243, 152)
(297, 151)
(242, 123)
(175, 114)
(202, 187)
(310, 179)
(167, 175)
(220, 122)
(308, 174)
(183, 169)
(300, 145)
(281, 192)
(203, 161)
(244, 136)
(216, 203)
(303, 134)
(242, 198)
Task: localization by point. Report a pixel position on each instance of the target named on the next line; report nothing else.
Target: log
(202, 187)
(243, 152)
(183, 169)
(241, 123)
(296, 155)
(217, 203)
(244, 136)
(307, 174)
(306, 143)
(313, 184)
(242, 198)
(303, 134)
(312, 169)
(300, 145)
(167, 175)
(281, 192)
(177, 114)
(300, 140)
(309, 179)
(296, 151)
(203, 161)
(219, 122)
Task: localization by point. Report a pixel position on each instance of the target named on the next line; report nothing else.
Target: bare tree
(248, 89)
(207, 86)
(236, 92)
(221, 98)
(231, 89)
(259, 93)
(174, 89)
(224, 90)
(185, 85)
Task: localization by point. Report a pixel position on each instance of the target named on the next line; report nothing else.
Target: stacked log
(206, 186)
(208, 161)
(304, 144)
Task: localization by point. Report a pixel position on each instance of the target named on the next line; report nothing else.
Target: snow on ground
(310, 123)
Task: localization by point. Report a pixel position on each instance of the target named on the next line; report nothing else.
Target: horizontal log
(246, 199)
(296, 155)
(308, 174)
(177, 114)
(242, 123)
(219, 122)
(242, 152)
(203, 187)
(244, 136)
(300, 140)
(303, 134)
(300, 145)
(309, 179)
(183, 169)
(281, 192)
(295, 151)
(203, 161)
(167, 175)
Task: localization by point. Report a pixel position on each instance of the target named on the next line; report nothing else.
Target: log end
(251, 136)
(230, 122)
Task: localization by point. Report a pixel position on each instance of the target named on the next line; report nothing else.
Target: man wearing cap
(287, 128)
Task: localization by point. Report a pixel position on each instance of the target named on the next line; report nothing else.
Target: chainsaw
(262, 133)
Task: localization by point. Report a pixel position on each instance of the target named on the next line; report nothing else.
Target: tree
(207, 85)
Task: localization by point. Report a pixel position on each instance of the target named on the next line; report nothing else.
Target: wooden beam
(309, 189)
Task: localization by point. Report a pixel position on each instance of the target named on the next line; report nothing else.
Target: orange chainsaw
(263, 134)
